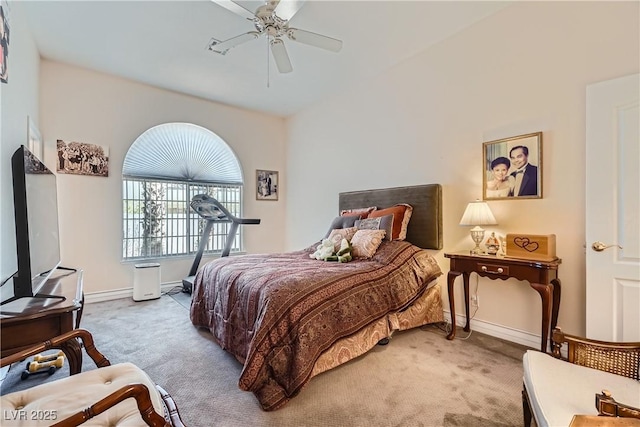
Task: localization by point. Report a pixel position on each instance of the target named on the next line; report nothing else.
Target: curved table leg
(451, 278)
(465, 280)
(546, 294)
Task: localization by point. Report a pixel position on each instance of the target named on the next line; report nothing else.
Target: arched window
(164, 168)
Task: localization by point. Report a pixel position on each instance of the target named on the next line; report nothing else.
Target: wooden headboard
(425, 226)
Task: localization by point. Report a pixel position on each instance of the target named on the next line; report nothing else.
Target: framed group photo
(81, 158)
(266, 185)
(512, 168)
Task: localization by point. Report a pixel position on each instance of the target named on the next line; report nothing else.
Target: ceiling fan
(272, 20)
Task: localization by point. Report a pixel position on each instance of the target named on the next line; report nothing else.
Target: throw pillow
(380, 223)
(365, 243)
(341, 222)
(401, 216)
(361, 212)
(337, 235)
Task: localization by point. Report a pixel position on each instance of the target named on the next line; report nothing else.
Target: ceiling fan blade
(287, 8)
(235, 8)
(222, 47)
(281, 57)
(314, 39)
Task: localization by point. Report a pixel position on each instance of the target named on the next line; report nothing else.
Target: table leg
(73, 351)
(79, 312)
(465, 280)
(557, 290)
(451, 278)
(556, 302)
(546, 294)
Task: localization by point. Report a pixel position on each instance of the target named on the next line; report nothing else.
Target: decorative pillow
(337, 235)
(341, 222)
(401, 216)
(365, 243)
(380, 223)
(361, 212)
(368, 224)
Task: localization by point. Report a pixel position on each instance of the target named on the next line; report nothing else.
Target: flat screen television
(35, 203)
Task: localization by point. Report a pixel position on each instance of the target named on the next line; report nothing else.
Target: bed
(288, 317)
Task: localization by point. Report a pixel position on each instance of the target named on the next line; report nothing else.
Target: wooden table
(30, 321)
(541, 275)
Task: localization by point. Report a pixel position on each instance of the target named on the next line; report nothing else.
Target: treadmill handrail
(197, 203)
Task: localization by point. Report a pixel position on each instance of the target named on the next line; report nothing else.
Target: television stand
(28, 321)
(38, 295)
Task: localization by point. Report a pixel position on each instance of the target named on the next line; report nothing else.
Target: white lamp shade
(478, 213)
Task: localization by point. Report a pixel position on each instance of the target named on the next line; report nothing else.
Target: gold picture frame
(512, 168)
(266, 185)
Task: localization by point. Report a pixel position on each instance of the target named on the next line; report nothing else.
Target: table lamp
(477, 213)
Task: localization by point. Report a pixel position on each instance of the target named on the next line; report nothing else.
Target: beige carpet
(419, 379)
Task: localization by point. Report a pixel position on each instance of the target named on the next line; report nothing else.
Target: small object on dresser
(503, 246)
(531, 246)
(492, 244)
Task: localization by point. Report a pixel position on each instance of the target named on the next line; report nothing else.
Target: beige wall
(81, 105)
(524, 69)
(19, 99)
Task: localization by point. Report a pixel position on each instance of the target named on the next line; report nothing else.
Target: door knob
(599, 246)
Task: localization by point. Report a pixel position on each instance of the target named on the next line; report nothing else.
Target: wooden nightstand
(541, 275)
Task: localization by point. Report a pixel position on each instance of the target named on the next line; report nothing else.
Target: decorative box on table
(531, 246)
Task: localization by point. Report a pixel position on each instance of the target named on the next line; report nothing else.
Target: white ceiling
(163, 43)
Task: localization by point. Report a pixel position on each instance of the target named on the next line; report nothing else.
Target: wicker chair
(120, 394)
(554, 390)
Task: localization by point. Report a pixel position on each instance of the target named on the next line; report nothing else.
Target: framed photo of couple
(266, 185)
(512, 168)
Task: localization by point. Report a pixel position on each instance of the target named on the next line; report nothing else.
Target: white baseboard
(499, 331)
(102, 296)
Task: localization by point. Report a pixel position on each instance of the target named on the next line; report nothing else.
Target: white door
(613, 210)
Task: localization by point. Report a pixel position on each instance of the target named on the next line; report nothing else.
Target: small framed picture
(266, 185)
(512, 168)
(4, 43)
(34, 139)
(81, 158)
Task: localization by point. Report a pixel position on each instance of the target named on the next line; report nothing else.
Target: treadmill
(212, 211)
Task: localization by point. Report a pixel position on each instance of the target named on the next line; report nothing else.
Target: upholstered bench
(113, 395)
(556, 389)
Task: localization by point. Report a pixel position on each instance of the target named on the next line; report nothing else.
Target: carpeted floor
(419, 379)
